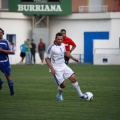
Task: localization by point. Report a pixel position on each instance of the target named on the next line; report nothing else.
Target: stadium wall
(76, 25)
(19, 25)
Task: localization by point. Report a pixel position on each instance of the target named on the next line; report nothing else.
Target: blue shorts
(5, 69)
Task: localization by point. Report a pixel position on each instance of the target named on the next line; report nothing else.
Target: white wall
(16, 23)
(115, 32)
(76, 28)
(75, 24)
(113, 50)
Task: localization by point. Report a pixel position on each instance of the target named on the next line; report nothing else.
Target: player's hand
(76, 60)
(53, 71)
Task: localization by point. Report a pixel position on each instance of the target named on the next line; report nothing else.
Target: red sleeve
(72, 43)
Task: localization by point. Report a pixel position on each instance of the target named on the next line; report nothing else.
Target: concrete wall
(16, 23)
(113, 45)
(76, 25)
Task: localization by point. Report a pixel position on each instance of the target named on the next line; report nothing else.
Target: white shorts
(60, 76)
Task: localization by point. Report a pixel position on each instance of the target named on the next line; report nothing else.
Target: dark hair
(58, 34)
(2, 30)
(63, 30)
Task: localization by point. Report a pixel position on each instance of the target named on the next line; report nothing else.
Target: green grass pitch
(35, 92)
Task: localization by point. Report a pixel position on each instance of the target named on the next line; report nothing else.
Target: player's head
(40, 39)
(58, 38)
(1, 33)
(63, 32)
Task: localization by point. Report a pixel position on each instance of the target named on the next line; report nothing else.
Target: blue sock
(1, 84)
(11, 87)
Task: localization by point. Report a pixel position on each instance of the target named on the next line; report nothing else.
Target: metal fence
(93, 9)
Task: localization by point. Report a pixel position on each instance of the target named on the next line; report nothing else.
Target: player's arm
(30, 46)
(73, 45)
(72, 48)
(47, 60)
(6, 51)
(70, 56)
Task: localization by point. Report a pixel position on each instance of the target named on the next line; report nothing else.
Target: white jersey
(56, 54)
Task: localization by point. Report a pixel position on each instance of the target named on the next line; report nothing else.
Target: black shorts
(22, 54)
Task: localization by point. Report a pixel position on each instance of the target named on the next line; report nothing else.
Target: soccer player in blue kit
(5, 49)
(55, 61)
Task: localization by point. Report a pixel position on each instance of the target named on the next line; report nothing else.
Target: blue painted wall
(88, 43)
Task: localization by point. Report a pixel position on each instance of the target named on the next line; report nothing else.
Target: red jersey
(68, 42)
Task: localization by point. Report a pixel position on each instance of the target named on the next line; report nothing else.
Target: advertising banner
(41, 7)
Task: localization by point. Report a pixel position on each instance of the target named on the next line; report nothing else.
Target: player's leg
(31, 57)
(41, 57)
(77, 87)
(70, 74)
(27, 58)
(61, 85)
(66, 59)
(1, 82)
(34, 57)
(60, 90)
(10, 84)
(6, 70)
(22, 57)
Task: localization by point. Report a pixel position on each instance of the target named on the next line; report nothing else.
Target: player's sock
(77, 87)
(1, 84)
(60, 90)
(11, 87)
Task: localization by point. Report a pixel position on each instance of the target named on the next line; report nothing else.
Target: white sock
(77, 87)
(60, 90)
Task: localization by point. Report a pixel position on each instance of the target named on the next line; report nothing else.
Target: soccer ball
(90, 96)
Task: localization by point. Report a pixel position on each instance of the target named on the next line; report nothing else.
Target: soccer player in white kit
(55, 61)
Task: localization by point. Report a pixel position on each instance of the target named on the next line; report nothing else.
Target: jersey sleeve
(8, 47)
(72, 43)
(48, 53)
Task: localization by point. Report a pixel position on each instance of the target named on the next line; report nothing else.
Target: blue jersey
(4, 59)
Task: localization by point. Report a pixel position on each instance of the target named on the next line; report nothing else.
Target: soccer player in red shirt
(68, 43)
